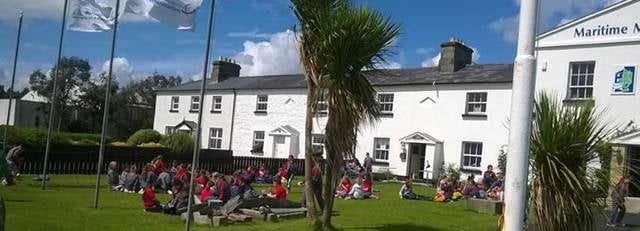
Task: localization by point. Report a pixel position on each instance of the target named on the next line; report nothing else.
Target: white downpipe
(521, 112)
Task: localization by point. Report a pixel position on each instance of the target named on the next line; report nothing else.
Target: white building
(455, 113)
(26, 111)
(596, 58)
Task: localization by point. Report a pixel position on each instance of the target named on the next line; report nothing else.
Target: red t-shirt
(202, 180)
(206, 193)
(181, 172)
(345, 186)
(158, 167)
(283, 172)
(366, 186)
(281, 193)
(149, 198)
(221, 190)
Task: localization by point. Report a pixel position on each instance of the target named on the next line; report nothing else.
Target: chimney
(454, 55)
(223, 69)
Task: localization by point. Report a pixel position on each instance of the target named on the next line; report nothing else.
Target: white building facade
(456, 113)
(596, 58)
(26, 111)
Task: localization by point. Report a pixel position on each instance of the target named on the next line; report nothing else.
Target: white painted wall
(23, 113)
(4, 107)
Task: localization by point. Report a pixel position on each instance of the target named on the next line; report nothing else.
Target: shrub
(144, 136)
(120, 144)
(179, 143)
(85, 142)
(150, 145)
(453, 172)
(37, 137)
(502, 161)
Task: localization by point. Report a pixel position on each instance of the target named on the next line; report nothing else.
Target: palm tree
(338, 42)
(566, 143)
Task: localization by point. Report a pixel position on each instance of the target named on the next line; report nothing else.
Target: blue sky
(255, 32)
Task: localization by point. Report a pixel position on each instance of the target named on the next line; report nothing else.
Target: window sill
(173, 111)
(193, 111)
(257, 153)
(577, 101)
(322, 113)
(482, 116)
(260, 112)
(380, 163)
(216, 112)
(386, 114)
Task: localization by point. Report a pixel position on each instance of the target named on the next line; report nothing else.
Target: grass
(67, 205)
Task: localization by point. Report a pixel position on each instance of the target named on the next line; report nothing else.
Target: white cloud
(250, 34)
(552, 14)
(278, 55)
(432, 61)
(50, 9)
(122, 70)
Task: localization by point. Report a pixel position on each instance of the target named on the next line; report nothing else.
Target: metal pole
(52, 110)
(13, 80)
(105, 117)
(196, 148)
(521, 112)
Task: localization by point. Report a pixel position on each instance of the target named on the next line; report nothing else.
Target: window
(195, 103)
(323, 108)
(317, 143)
(258, 141)
(386, 103)
(581, 80)
(175, 103)
(471, 154)
(215, 138)
(168, 130)
(381, 149)
(217, 104)
(476, 103)
(261, 105)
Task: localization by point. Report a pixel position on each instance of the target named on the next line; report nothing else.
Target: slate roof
(477, 73)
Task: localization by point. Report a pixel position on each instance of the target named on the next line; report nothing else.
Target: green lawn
(67, 205)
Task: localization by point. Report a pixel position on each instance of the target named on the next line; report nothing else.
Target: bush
(144, 136)
(85, 142)
(179, 143)
(120, 144)
(453, 172)
(37, 137)
(150, 145)
(502, 161)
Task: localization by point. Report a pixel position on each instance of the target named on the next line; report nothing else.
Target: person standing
(368, 166)
(14, 159)
(617, 202)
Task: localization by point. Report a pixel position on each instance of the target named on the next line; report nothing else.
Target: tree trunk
(335, 162)
(308, 158)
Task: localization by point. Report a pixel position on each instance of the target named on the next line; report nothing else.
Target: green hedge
(144, 136)
(37, 137)
(180, 143)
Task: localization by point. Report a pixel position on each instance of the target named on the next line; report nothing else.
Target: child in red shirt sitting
(280, 192)
(151, 204)
(203, 179)
(207, 192)
(344, 187)
(367, 187)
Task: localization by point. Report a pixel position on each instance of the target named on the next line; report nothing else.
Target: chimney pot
(454, 55)
(224, 69)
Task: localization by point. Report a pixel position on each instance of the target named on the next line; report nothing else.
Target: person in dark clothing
(316, 185)
(368, 166)
(617, 202)
(489, 176)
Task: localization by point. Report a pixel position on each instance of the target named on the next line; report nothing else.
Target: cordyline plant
(338, 42)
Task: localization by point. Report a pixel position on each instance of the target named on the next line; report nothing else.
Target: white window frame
(215, 138)
(322, 106)
(257, 140)
(262, 100)
(168, 130)
(216, 101)
(317, 142)
(175, 103)
(381, 151)
(581, 80)
(195, 102)
(386, 102)
(472, 150)
(477, 100)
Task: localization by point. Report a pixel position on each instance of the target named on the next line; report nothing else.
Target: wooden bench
(485, 206)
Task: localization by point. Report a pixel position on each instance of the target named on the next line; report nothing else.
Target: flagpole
(196, 148)
(52, 113)
(13, 80)
(105, 117)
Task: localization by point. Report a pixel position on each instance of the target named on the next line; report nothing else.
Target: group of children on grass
(157, 177)
(491, 188)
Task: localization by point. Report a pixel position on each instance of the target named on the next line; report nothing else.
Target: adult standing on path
(617, 202)
(368, 165)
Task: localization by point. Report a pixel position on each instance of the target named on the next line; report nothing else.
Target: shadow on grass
(403, 227)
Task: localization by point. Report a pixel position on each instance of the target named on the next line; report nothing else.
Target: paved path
(632, 221)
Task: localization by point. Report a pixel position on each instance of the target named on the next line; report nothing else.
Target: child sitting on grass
(367, 187)
(406, 191)
(279, 192)
(151, 204)
(112, 175)
(356, 190)
(344, 187)
(207, 192)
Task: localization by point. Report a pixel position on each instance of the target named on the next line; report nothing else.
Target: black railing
(82, 160)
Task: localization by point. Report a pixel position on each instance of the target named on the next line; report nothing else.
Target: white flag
(89, 16)
(139, 7)
(178, 13)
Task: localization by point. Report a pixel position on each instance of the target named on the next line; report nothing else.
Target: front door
(417, 160)
(279, 147)
(634, 171)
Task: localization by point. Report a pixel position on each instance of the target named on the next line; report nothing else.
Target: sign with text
(624, 80)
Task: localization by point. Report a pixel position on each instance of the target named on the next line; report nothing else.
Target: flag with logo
(89, 16)
(178, 13)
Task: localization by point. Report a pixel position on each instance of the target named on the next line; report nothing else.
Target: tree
(91, 100)
(73, 73)
(566, 145)
(337, 43)
(14, 94)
